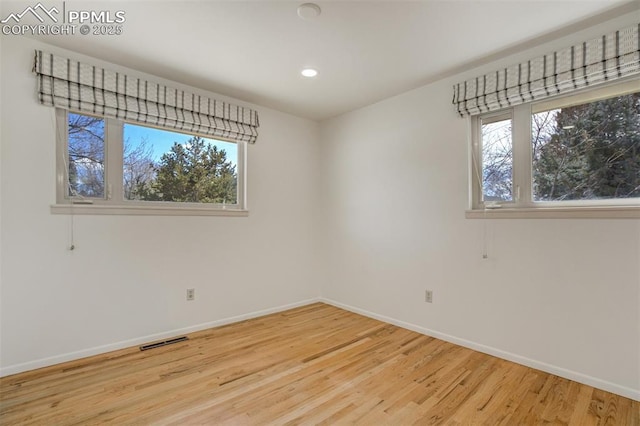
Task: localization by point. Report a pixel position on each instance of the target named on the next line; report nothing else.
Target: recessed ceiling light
(309, 11)
(309, 72)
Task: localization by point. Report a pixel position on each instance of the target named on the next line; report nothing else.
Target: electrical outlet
(428, 296)
(191, 294)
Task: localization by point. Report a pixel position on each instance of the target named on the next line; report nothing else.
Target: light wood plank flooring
(312, 365)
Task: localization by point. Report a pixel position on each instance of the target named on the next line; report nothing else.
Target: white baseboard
(72, 356)
(548, 368)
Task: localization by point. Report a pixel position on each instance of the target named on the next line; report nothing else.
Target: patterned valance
(604, 59)
(73, 85)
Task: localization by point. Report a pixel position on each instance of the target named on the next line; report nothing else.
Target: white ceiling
(364, 51)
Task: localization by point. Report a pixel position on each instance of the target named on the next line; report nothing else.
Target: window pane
(588, 151)
(497, 160)
(160, 165)
(86, 156)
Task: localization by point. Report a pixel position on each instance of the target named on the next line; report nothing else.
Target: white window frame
(113, 202)
(523, 205)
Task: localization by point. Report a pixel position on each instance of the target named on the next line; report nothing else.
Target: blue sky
(161, 141)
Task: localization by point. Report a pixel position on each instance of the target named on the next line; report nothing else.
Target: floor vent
(163, 343)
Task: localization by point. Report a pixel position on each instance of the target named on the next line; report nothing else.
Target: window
(575, 152)
(497, 158)
(109, 165)
(587, 151)
(159, 165)
(85, 157)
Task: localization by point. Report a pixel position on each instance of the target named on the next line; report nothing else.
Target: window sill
(604, 212)
(101, 209)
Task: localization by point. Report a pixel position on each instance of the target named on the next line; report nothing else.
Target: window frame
(523, 204)
(114, 201)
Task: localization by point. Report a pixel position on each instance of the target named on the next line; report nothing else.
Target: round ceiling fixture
(309, 11)
(309, 72)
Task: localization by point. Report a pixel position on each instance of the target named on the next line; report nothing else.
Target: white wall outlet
(428, 296)
(191, 294)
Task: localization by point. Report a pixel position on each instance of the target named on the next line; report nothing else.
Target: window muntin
(535, 124)
(126, 160)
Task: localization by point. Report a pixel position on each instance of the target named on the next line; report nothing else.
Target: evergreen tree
(592, 151)
(195, 172)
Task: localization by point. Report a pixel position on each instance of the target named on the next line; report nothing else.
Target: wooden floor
(312, 365)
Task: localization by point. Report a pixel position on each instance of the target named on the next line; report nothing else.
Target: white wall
(559, 295)
(126, 280)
